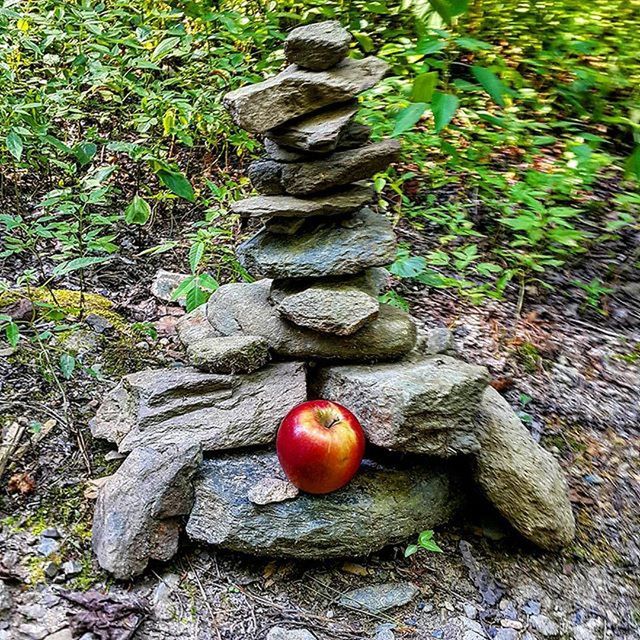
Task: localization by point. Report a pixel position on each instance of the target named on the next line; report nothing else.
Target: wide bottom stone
(384, 504)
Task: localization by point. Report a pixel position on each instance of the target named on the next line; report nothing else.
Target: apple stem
(332, 423)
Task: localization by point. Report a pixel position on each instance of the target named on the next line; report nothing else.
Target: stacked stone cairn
(201, 438)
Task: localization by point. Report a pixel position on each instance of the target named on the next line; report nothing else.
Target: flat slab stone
(423, 405)
(219, 411)
(137, 513)
(340, 203)
(326, 248)
(377, 598)
(296, 92)
(383, 504)
(317, 46)
(522, 480)
(329, 308)
(316, 133)
(336, 170)
(229, 354)
(245, 308)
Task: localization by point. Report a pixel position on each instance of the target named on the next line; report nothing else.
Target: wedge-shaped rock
(340, 203)
(343, 247)
(382, 505)
(186, 405)
(319, 132)
(245, 308)
(296, 92)
(317, 46)
(420, 406)
(338, 169)
(229, 354)
(138, 511)
(331, 309)
(520, 478)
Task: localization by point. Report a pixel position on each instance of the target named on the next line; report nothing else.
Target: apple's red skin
(320, 445)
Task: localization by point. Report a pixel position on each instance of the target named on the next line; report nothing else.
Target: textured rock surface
(319, 132)
(331, 309)
(520, 478)
(137, 514)
(165, 283)
(280, 633)
(245, 308)
(283, 154)
(421, 406)
(330, 248)
(296, 92)
(381, 505)
(194, 326)
(229, 354)
(269, 490)
(336, 170)
(317, 46)
(377, 598)
(342, 202)
(186, 405)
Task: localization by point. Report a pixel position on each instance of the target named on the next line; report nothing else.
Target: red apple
(320, 446)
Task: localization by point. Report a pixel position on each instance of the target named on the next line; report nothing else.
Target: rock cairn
(320, 256)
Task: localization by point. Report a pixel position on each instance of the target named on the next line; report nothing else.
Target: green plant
(425, 541)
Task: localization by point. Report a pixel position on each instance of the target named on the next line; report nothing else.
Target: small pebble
(544, 625)
(50, 533)
(47, 547)
(470, 611)
(51, 569)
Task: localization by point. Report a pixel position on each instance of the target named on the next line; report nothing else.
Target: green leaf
(168, 45)
(168, 121)
(444, 107)
(408, 267)
(632, 165)
(490, 83)
(196, 252)
(138, 211)
(13, 333)
(406, 118)
(184, 287)
(410, 550)
(449, 9)
(423, 86)
(472, 44)
(196, 297)
(177, 183)
(430, 545)
(208, 282)
(78, 263)
(364, 41)
(67, 365)
(424, 537)
(84, 152)
(14, 144)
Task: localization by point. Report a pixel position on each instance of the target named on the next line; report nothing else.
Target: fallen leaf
(355, 569)
(501, 384)
(22, 483)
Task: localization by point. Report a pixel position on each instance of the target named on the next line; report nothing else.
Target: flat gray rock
(377, 598)
(330, 309)
(419, 406)
(382, 505)
(229, 354)
(327, 248)
(194, 326)
(522, 480)
(280, 633)
(296, 92)
(283, 154)
(138, 512)
(317, 46)
(245, 308)
(316, 133)
(339, 203)
(219, 411)
(336, 170)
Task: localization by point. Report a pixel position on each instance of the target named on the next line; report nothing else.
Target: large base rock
(382, 505)
(219, 411)
(424, 405)
(137, 514)
(520, 478)
(245, 308)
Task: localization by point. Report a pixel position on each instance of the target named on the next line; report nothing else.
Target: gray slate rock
(245, 308)
(296, 92)
(270, 490)
(137, 514)
(339, 203)
(282, 154)
(522, 480)
(317, 46)
(280, 633)
(316, 133)
(382, 505)
(6, 601)
(229, 354)
(327, 248)
(194, 326)
(380, 597)
(420, 406)
(219, 411)
(336, 170)
(330, 309)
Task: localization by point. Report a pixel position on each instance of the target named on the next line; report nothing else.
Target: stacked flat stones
(200, 438)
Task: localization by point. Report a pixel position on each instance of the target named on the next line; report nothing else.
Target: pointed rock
(338, 169)
(349, 246)
(296, 92)
(317, 46)
(339, 203)
(245, 308)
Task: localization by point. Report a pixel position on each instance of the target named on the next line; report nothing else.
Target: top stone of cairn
(317, 46)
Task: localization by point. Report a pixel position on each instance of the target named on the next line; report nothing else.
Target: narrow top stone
(317, 46)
